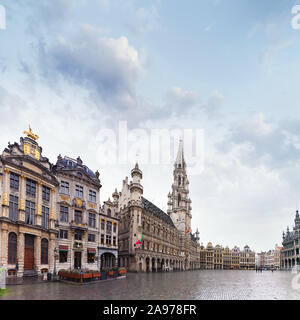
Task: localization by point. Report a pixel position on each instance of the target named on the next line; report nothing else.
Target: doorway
(29, 252)
(77, 260)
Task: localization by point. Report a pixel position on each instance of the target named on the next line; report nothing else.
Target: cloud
(180, 99)
(108, 67)
(262, 142)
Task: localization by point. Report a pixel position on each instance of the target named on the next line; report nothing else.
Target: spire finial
(180, 157)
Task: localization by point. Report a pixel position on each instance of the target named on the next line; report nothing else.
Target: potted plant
(111, 272)
(122, 271)
(96, 274)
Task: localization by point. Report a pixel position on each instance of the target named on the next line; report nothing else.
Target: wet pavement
(198, 285)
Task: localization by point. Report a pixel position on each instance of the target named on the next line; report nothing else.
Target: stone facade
(150, 239)
(28, 191)
(247, 259)
(78, 207)
(290, 255)
(50, 215)
(218, 258)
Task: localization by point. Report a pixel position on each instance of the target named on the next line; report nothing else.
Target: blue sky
(228, 67)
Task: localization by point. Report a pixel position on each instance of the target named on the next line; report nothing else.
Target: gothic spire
(180, 163)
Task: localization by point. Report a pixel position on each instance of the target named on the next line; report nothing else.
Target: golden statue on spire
(31, 135)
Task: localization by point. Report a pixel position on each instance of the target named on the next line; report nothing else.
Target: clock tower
(179, 203)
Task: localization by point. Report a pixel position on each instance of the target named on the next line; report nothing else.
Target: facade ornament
(31, 135)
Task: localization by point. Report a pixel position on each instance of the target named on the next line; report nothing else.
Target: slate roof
(72, 164)
(157, 212)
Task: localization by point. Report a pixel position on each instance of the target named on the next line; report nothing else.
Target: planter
(120, 272)
(96, 275)
(86, 276)
(111, 273)
(67, 275)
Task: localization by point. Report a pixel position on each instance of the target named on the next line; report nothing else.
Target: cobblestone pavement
(198, 285)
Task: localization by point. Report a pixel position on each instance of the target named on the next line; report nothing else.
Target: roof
(70, 163)
(157, 212)
(180, 157)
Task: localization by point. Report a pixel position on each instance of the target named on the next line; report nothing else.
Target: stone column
(116, 260)
(51, 248)
(4, 244)
(20, 253)
(22, 199)
(52, 209)
(37, 254)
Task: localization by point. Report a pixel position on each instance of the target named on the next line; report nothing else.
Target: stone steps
(30, 273)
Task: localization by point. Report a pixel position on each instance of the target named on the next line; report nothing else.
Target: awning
(91, 250)
(63, 248)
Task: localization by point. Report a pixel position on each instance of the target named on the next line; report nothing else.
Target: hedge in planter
(122, 271)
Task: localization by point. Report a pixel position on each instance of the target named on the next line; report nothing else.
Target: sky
(75, 70)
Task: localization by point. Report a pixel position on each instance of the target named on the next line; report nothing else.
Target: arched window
(179, 180)
(179, 199)
(44, 251)
(12, 248)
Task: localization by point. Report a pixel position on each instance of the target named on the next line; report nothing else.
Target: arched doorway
(147, 264)
(163, 265)
(158, 265)
(108, 260)
(153, 265)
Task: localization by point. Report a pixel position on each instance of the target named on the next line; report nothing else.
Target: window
(44, 251)
(46, 193)
(30, 187)
(115, 227)
(92, 196)
(79, 191)
(108, 226)
(13, 207)
(108, 240)
(64, 187)
(12, 248)
(91, 237)
(114, 241)
(63, 256)
(91, 257)
(45, 217)
(64, 214)
(30, 212)
(78, 217)
(109, 212)
(14, 181)
(102, 224)
(92, 220)
(63, 234)
(78, 235)
(102, 238)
